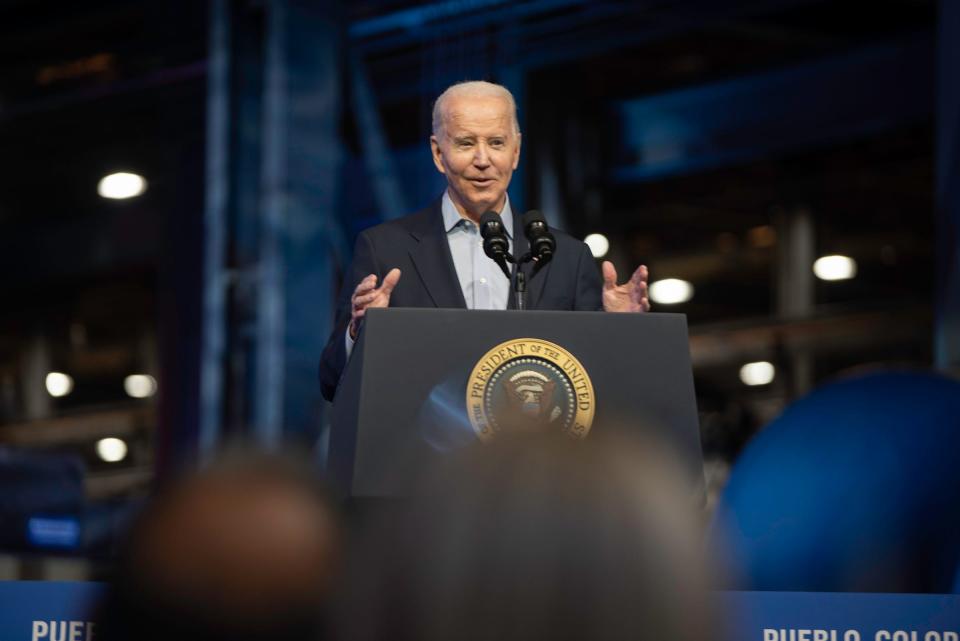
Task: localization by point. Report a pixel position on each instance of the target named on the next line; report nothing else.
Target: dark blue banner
(47, 610)
(60, 611)
(830, 616)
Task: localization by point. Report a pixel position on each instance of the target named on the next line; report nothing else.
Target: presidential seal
(529, 384)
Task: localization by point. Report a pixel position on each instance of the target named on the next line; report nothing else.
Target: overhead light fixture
(757, 373)
(598, 244)
(140, 385)
(58, 384)
(670, 291)
(121, 185)
(112, 450)
(835, 267)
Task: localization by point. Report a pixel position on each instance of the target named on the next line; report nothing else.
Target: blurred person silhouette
(534, 537)
(246, 550)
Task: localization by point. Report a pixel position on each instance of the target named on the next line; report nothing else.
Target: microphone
(542, 242)
(495, 242)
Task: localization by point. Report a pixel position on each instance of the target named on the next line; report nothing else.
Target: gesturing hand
(368, 295)
(629, 297)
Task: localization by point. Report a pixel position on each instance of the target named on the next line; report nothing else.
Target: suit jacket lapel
(432, 260)
(536, 284)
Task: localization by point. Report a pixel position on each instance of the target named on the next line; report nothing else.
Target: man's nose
(480, 157)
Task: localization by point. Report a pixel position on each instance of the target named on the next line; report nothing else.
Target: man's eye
(496, 143)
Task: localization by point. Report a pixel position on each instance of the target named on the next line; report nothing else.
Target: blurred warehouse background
(182, 182)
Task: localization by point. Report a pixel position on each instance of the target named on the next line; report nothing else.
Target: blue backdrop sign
(831, 616)
(47, 610)
(60, 611)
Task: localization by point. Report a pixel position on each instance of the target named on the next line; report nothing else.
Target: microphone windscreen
(489, 218)
(532, 216)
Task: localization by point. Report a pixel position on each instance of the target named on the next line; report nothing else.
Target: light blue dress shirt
(482, 281)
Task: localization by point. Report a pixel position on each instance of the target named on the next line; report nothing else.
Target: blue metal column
(947, 329)
(304, 191)
(268, 377)
(213, 345)
(271, 224)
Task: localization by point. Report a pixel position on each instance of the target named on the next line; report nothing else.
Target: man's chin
(484, 203)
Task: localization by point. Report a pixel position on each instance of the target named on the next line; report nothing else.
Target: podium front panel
(402, 400)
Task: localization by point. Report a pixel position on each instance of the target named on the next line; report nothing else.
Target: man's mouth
(481, 181)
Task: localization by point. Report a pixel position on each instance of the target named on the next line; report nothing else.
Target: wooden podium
(402, 401)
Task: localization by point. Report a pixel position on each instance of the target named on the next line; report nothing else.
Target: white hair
(473, 89)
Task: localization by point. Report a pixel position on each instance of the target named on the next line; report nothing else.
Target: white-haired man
(433, 258)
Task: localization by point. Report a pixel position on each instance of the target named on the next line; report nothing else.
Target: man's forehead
(486, 111)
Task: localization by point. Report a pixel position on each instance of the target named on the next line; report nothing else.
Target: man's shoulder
(566, 236)
(562, 236)
(567, 240)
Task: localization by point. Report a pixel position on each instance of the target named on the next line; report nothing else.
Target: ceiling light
(111, 450)
(59, 384)
(835, 268)
(758, 373)
(598, 244)
(121, 185)
(140, 385)
(670, 291)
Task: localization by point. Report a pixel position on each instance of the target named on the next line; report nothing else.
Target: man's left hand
(629, 297)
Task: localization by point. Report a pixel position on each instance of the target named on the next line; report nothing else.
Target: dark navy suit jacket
(417, 244)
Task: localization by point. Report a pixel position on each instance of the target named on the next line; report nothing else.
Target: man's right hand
(368, 295)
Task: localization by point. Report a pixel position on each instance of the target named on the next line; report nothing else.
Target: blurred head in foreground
(534, 537)
(853, 488)
(245, 550)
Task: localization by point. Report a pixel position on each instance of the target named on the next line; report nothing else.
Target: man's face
(477, 151)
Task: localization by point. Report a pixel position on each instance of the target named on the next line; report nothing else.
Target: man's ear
(516, 154)
(437, 154)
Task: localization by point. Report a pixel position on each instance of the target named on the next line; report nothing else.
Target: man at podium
(434, 257)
